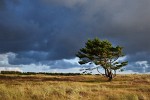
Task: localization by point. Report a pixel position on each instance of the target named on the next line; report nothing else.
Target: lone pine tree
(102, 54)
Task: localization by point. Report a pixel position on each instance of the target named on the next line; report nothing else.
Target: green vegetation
(36, 73)
(102, 54)
(77, 87)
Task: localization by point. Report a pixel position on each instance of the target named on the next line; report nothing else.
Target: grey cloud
(4, 61)
(55, 30)
(61, 64)
(139, 66)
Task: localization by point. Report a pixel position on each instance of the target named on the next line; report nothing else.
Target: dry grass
(83, 87)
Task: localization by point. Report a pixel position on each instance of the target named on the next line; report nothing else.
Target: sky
(45, 35)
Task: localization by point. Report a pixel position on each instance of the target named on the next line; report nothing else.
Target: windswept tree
(103, 55)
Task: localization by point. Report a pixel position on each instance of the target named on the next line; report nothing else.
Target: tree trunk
(110, 77)
(108, 74)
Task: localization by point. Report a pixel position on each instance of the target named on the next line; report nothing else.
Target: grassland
(79, 87)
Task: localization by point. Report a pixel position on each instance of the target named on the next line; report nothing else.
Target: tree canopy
(103, 54)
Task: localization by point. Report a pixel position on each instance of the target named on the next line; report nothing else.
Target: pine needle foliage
(103, 54)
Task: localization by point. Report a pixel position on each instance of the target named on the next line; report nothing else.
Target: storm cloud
(40, 31)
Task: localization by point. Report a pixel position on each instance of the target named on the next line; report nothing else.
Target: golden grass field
(80, 87)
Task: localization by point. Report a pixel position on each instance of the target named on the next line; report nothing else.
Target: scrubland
(79, 87)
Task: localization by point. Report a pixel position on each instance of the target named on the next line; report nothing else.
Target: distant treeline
(35, 73)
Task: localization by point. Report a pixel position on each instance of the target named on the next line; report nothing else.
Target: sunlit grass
(82, 87)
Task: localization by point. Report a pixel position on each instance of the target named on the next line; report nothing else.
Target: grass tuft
(79, 87)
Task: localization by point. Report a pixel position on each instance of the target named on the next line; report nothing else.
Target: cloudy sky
(44, 35)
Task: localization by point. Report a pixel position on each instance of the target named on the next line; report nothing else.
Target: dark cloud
(53, 29)
(42, 30)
